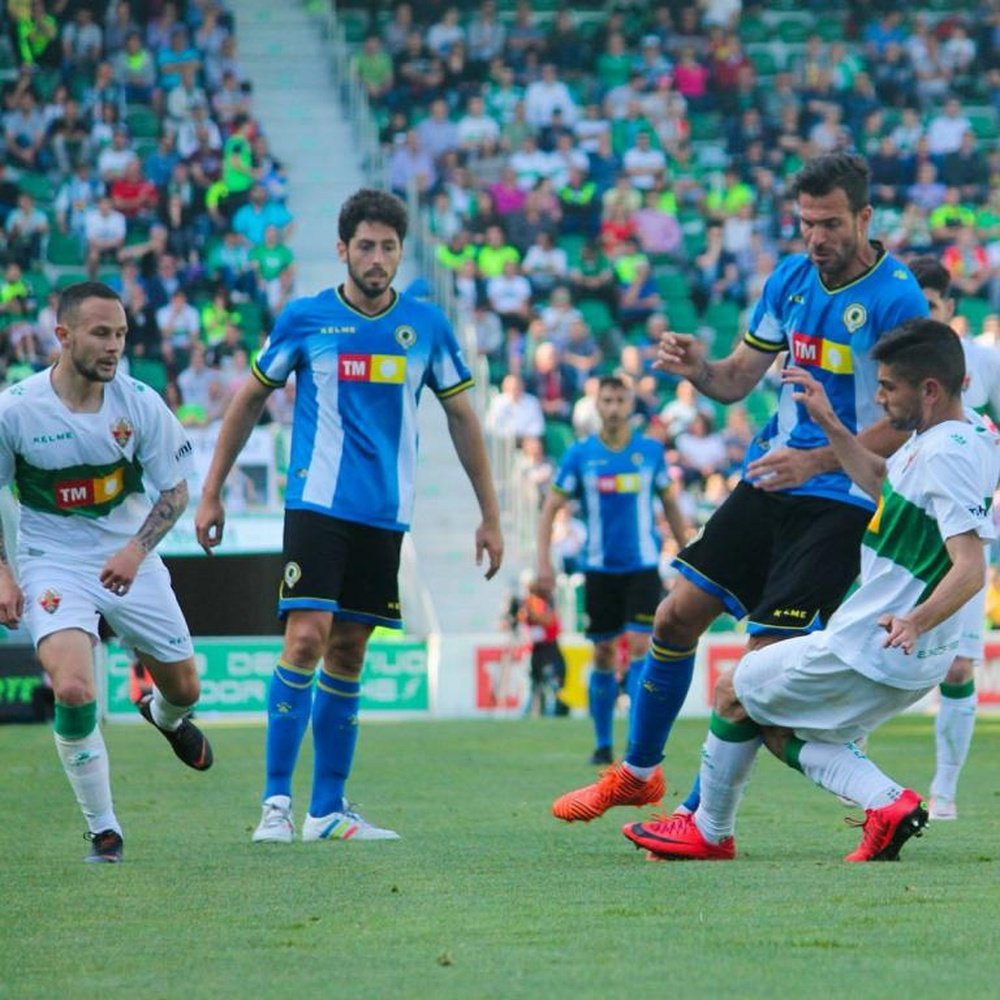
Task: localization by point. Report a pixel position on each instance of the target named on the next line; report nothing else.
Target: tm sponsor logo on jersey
(72, 493)
(53, 438)
(384, 369)
(624, 482)
(818, 352)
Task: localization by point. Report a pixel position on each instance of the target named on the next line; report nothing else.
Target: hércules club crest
(121, 431)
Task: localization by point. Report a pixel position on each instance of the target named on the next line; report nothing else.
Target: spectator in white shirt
(113, 159)
(945, 131)
(180, 327)
(104, 230)
(510, 296)
(514, 412)
(543, 96)
(644, 164)
(476, 127)
(544, 264)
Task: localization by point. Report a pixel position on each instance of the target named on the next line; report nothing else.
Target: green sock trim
(73, 722)
(966, 690)
(733, 732)
(793, 748)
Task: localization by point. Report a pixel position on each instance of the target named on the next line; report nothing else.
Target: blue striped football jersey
(829, 332)
(617, 490)
(358, 381)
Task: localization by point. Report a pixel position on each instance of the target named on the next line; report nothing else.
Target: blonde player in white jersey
(79, 441)
(956, 718)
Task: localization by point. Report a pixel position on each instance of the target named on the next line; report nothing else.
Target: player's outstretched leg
(187, 741)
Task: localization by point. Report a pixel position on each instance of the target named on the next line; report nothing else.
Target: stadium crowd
(595, 175)
(130, 153)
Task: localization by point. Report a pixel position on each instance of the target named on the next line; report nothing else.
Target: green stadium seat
(68, 278)
(673, 285)
(558, 437)
(64, 250)
(705, 125)
(765, 62)
(794, 31)
(251, 322)
(752, 29)
(597, 316)
(38, 186)
(683, 316)
(984, 124)
(975, 311)
(143, 122)
(150, 371)
(573, 244)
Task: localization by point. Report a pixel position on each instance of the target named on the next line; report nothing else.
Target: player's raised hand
(811, 395)
(489, 541)
(209, 522)
(11, 600)
(680, 354)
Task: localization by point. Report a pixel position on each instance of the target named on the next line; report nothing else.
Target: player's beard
(365, 286)
(835, 267)
(93, 372)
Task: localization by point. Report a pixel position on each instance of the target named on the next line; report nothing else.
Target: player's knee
(961, 671)
(304, 644)
(604, 655)
(725, 704)
(638, 645)
(73, 689)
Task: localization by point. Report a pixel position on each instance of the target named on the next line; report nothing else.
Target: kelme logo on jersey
(625, 482)
(855, 316)
(818, 352)
(121, 431)
(405, 336)
(49, 601)
(384, 369)
(70, 493)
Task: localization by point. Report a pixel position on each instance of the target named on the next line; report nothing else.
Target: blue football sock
(666, 679)
(335, 735)
(602, 693)
(289, 702)
(693, 800)
(632, 681)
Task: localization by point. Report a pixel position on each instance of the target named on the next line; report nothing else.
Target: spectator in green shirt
(274, 264)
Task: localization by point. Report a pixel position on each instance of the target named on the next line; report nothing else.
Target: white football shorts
(800, 685)
(148, 618)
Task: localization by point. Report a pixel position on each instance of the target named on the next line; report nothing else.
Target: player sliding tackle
(810, 698)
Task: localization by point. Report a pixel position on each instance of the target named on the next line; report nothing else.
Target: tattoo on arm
(167, 509)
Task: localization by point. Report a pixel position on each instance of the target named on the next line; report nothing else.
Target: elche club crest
(49, 601)
(121, 431)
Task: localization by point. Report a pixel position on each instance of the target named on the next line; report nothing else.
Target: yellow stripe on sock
(665, 655)
(331, 690)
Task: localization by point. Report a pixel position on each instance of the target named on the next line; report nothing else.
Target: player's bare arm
(240, 419)
(467, 437)
(865, 467)
(725, 381)
(957, 587)
(679, 527)
(120, 570)
(786, 468)
(543, 537)
(11, 595)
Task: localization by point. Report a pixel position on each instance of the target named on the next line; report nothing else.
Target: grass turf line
(486, 895)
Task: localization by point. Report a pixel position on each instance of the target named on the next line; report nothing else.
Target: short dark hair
(824, 174)
(613, 382)
(73, 296)
(931, 273)
(924, 348)
(370, 205)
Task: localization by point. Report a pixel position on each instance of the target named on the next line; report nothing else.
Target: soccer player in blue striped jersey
(618, 476)
(795, 509)
(361, 355)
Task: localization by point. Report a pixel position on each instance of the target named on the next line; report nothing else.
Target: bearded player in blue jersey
(618, 476)
(782, 550)
(361, 354)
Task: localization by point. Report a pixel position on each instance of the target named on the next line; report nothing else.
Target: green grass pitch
(486, 895)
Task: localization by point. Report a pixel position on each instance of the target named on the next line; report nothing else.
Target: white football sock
(85, 762)
(725, 771)
(953, 736)
(843, 769)
(165, 714)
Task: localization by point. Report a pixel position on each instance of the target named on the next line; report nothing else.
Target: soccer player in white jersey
(81, 442)
(956, 717)
(361, 354)
(892, 641)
